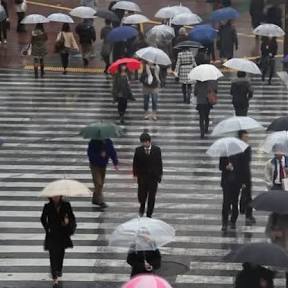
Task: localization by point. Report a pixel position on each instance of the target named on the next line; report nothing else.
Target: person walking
(241, 91)
(256, 10)
(182, 36)
(21, 8)
(185, 63)
(39, 49)
(269, 49)
(121, 91)
(59, 223)
(148, 169)
(4, 24)
(106, 47)
(201, 91)
(68, 43)
(227, 40)
(87, 36)
(99, 152)
(150, 79)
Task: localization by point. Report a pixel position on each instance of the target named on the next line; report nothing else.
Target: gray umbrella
(3, 14)
(272, 201)
(260, 253)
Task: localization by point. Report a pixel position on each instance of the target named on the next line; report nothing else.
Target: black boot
(36, 72)
(42, 71)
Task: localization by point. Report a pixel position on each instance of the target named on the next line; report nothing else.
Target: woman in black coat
(59, 223)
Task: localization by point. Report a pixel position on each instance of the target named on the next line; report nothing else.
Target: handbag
(59, 44)
(212, 97)
(27, 50)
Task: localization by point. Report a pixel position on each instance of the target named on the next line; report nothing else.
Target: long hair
(66, 27)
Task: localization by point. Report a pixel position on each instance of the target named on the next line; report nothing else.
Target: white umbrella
(269, 30)
(236, 123)
(143, 234)
(186, 19)
(160, 34)
(165, 13)
(35, 19)
(226, 147)
(276, 142)
(83, 12)
(60, 17)
(135, 19)
(127, 6)
(179, 9)
(65, 187)
(244, 65)
(205, 72)
(154, 55)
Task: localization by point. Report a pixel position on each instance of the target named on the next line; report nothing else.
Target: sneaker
(250, 221)
(146, 116)
(103, 205)
(233, 226)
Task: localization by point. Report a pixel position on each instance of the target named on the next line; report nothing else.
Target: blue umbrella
(224, 14)
(203, 34)
(122, 33)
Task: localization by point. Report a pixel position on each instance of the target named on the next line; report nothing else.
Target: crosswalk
(40, 121)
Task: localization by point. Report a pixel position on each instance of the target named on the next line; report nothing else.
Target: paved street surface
(40, 121)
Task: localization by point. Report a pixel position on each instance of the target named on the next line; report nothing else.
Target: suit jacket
(148, 165)
(230, 177)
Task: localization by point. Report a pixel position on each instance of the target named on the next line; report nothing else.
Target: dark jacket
(241, 92)
(274, 15)
(256, 10)
(57, 233)
(201, 90)
(227, 41)
(99, 152)
(230, 177)
(121, 87)
(244, 162)
(86, 33)
(136, 260)
(269, 48)
(148, 165)
(4, 4)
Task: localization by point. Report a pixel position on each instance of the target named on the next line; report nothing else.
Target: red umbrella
(131, 64)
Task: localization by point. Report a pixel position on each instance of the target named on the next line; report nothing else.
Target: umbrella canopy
(179, 9)
(127, 6)
(187, 44)
(186, 19)
(154, 55)
(224, 14)
(122, 33)
(83, 12)
(260, 253)
(204, 34)
(244, 65)
(205, 72)
(234, 124)
(279, 124)
(35, 19)
(131, 63)
(160, 34)
(276, 142)
(226, 147)
(70, 188)
(272, 201)
(142, 234)
(269, 30)
(60, 17)
(146, 280)
(3, 14)
(135, 19)
(101, 131)
(165, 13)
(107, 14)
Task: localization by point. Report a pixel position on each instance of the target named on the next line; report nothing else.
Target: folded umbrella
(101, 131)
(147, 281)
(65, 187)
(35, 19)
(60, 17)
(279, 124)
(261, 254)
(131, 64)
(107, 14)
(135, 19)
(204, 34)
(205, 72)
(224, 14)
(234, 124)
(127, 6)
(276, 142)
(269, 30)
(83, 12)
(186, 19)
(188, 44)
(154, 55)
(244, 65)
(122, 33)
(226, 147)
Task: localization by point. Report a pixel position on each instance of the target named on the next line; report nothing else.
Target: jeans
(268, 64)
(56, 255)
(64, 59)
(122, 105)
(98, 176)
(154, 97)
(186, 90)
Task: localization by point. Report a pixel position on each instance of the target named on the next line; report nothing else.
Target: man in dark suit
(147, 167)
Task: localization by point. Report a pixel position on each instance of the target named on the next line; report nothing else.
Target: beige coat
(70, 41)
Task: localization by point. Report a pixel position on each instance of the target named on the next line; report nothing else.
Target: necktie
(147, 151)
(281, 169)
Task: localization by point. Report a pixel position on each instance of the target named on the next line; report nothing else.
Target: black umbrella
(261, 254)
(107, 14)
(272, 201)
(188, 44)
(279, 124)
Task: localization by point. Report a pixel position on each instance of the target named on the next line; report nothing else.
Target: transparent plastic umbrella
(60, 17)
(205, 72)
(83, 12)
(226, 147)
(276, 142)
(171, 11)
(244, 65)
(154, 55)
(186, 19)
(269, 30)
(135, 19)
(159, 34)
(127, 6)
(35, 19)
(234, 124)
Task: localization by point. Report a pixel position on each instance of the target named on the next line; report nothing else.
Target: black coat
(269, 48)
(230, 177)
(121, 87)
(244, 162)
(58, 234)
(86, 33)
(136, 260)
(274, 15)
(241, 92)
(148, 165)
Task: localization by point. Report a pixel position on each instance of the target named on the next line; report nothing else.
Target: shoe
(250, 221)
(154, 116)
(233, 226)
(141, 214)
(122, 120)
(224, 228)
(146, 116)
(103, 205)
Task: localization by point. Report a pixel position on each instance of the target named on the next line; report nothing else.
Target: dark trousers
(147, 188)
(231, 193)
(3, 30)
(64, 60)
(122, 105)
(268, 64)
(247, 194)
(106, 60)
(204, 110)
(20, 27)
(241, 111)
(38, 61)
(56, 261)
(186, 90)
(98, 176)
